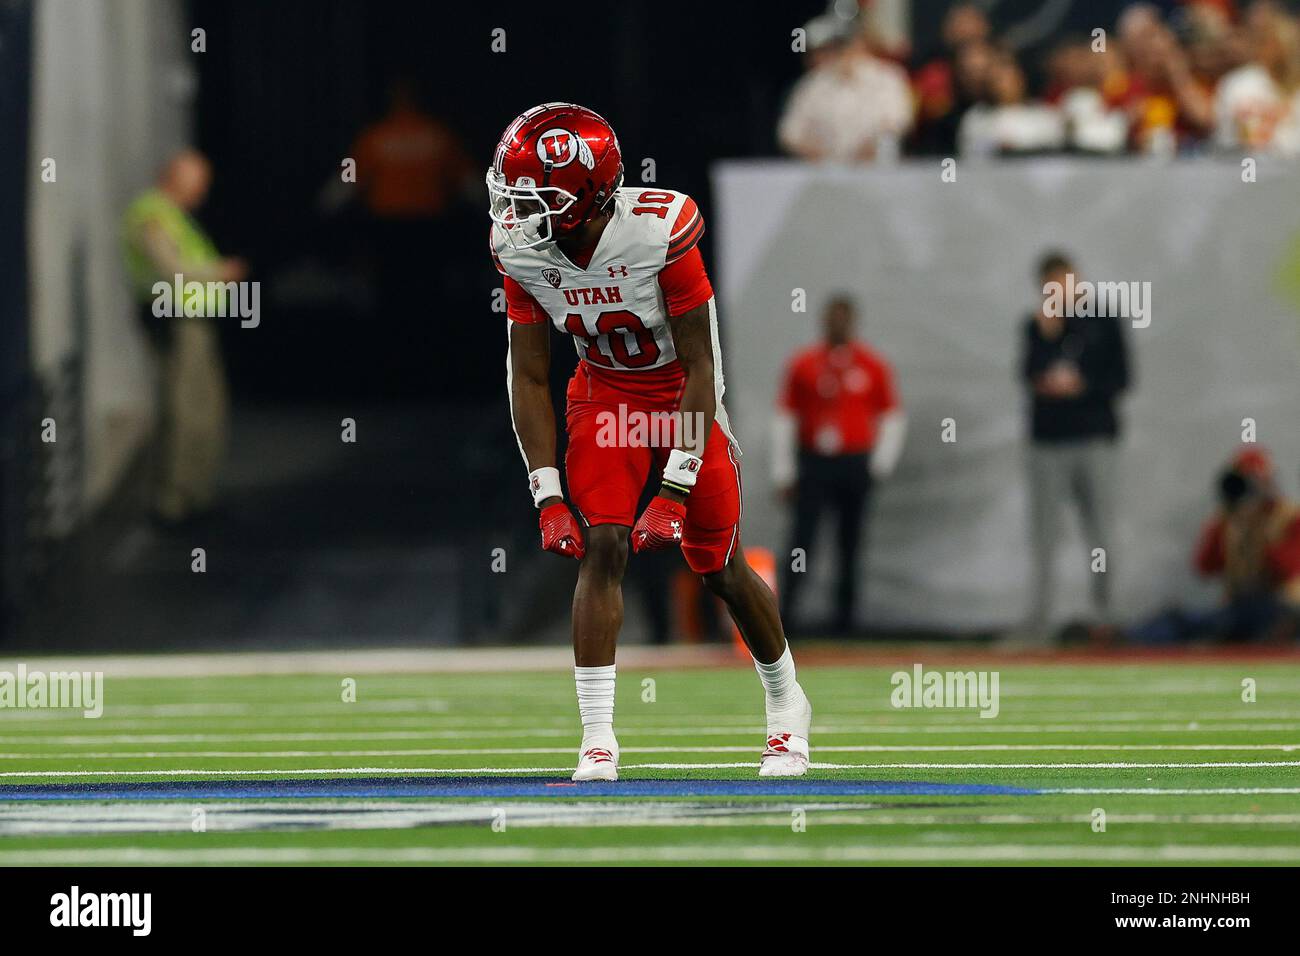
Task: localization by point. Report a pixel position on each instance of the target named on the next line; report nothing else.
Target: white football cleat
(786, 754)
(597, 763)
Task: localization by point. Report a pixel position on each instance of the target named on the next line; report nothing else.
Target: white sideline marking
(1219, 764)
(1016, 819)
(550, 751)
(1107, 765)
(1175, 791)
(487, 725)
(1107, 686)
(84, 818)
(258, 709)
(396, 661)
(149, 810)
(502, 661)
(239, 772)
(680, 730)
(677, 854)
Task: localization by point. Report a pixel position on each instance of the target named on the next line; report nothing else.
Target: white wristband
(683, 468)
(544, 483)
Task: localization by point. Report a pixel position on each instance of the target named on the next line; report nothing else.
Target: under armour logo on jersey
(552, 276)
(677, 530)
(617, 271)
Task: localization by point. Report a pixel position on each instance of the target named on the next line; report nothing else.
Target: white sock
(779, 685)
(596, 704)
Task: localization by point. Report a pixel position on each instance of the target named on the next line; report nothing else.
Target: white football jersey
(614, 307)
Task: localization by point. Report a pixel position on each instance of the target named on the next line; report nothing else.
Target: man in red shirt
(838, 429)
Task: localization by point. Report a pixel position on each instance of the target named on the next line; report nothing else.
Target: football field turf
(1102, 763)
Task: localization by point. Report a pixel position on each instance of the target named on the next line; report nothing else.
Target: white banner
(112, 84)
(944, 274)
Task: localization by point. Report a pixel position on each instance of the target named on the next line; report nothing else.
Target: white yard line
(302, 771)
(966, 720)
(181, 817)
(85, 820)
(258, 709)
(524, 751)
(405, 662)
(683, 729)
(401, 662)
(1172, 791)
(618, 809)
(696, 853)
(1105, 684)
(1108, 765)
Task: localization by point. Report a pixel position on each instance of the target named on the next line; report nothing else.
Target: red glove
(659, 526)
(560, 533)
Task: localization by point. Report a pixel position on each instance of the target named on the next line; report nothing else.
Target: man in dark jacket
(1074, 368)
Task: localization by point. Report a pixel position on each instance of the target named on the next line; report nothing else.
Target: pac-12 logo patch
(552, 276)
(559, 147)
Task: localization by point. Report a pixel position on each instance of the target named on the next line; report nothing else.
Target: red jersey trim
(685, 283)
(686, 231)
(685, 217)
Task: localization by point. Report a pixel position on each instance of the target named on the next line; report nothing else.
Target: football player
(619, 269)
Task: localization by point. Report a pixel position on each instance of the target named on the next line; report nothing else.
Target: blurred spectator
(413, 175)
(826, 37)
(161, 242)
(850, 107)
(1168, 107)
(839, 408)
(1257, 105)
(1253, 544)
(1213, 44)
(1074, 368)
(409, 165)
(1155, 86)
(943, 94)
(1085, 85)
(1005, 123)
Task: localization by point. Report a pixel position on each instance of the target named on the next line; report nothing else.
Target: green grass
(508, 724)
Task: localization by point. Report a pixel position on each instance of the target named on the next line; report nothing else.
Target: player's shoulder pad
(672, 218)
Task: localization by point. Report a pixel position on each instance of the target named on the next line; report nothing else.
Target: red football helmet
(556, 166)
